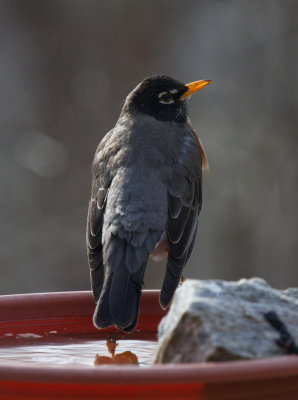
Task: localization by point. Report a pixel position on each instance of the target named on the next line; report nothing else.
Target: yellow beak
(194, 87)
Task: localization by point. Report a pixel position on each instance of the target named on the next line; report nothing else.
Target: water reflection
(126, 357)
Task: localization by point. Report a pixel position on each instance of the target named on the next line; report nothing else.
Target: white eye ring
(163, 94)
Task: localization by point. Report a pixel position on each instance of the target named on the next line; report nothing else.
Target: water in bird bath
(82, 351)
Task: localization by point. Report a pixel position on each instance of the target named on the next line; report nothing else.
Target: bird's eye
(165, 98)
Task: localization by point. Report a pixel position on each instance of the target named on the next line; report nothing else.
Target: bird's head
(163, 98)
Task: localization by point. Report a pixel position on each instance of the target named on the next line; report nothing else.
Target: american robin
(145, 200)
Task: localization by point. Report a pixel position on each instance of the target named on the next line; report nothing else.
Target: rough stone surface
(215, 320)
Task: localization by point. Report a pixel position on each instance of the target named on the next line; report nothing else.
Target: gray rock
(215, 320)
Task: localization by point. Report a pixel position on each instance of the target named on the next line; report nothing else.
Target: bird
(146, 197)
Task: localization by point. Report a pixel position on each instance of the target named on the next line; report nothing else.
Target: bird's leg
(111, 345)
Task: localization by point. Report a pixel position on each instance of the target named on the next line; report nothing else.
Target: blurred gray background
(65, 69)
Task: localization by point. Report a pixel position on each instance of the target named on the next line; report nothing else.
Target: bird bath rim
(71, 313)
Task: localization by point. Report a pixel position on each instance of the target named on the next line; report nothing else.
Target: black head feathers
(159, 97)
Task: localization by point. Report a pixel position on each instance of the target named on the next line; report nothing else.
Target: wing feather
(184, 206)
(94, 236)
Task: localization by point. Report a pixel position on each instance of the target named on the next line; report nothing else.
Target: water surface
(70, 351)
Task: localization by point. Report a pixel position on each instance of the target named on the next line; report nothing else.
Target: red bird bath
(49, 349)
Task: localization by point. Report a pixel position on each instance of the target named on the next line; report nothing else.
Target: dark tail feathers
(119, 301)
